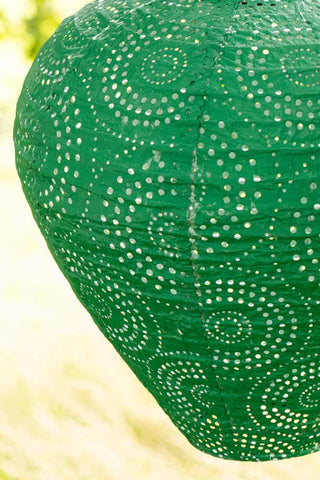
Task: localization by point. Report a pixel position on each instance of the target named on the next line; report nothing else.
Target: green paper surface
(169, 152)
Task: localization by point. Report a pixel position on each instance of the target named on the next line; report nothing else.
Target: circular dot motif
(137, 334)
(228, 326)
(164, 66)
(299, 70)
(162, 230)
(202, 393)
(310, 397)
(287, 407)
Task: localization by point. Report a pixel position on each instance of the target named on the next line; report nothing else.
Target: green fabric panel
(169, 152)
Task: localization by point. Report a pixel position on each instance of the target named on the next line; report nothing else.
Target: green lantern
(169, 152)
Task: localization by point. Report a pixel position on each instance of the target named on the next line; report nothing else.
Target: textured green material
(169, 152)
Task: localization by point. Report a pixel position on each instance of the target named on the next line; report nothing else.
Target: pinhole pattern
(169, 152)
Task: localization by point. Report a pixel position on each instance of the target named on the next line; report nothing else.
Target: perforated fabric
(169, 151)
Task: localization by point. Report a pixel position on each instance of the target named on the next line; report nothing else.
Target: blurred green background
(70, 408)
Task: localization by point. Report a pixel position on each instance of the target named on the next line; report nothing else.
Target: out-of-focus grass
(70, 408)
